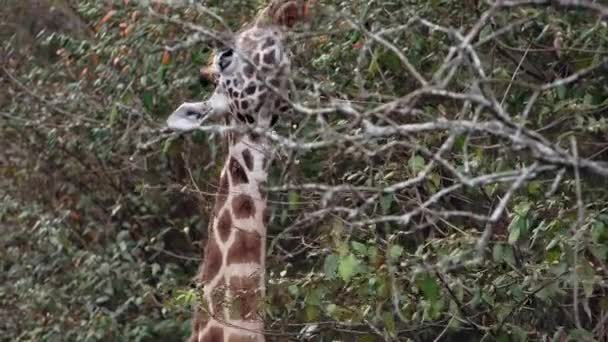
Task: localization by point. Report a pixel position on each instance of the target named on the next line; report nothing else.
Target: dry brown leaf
(166, 58)
(105, 19)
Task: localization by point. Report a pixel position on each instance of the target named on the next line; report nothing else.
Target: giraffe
(251, 77)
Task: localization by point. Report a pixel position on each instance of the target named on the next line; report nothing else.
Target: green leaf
(429, 287)
(389, 322)
(197, 57)
(580, 335)
(359, 248)
(342, 248)
(294, 290)
(435, 181)
(148, 100)
(314, 297)
(508, 255)
(416, 164)
(385, 202)
(587, 277)
(459, 143)
(389, 60)
(200, 137)
(522, 208)
(503, 337)
(547, 293)
(185, 297)
(373, 253)
(354, 37)
(337, 230)
(347, 267)
(395, 251)
(599, 251)
(514, 234)
(331, 308)
(366, 338)
(113, 115)
(102, 299)
(534, 187)
(284, 216)
(598, 231)
(155, 269)
(312, 313)
(497, 252)
(330, 266)
(374, 67)
(518, 228)
(552, 244)
(561, 92)
(294, 200)
(167, 145)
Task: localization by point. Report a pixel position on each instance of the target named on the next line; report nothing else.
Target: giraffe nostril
(273, 120)
(192, 113)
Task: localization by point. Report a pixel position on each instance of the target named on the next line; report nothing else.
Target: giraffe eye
(225, 59)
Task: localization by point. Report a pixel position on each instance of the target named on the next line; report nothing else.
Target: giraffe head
(251, 74)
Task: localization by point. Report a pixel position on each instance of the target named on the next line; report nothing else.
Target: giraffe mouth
(189, 116)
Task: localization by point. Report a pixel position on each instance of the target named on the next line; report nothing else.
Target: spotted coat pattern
(253, 77)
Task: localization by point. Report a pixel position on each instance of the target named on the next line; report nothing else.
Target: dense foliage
(445, 176)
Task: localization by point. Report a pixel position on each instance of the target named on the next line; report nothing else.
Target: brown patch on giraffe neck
(222, 194)
(218, 298)
(234, 137)
(214, 334)
(245, 297)
(249, 137)
(242, 338)
(224, 224)
(246, 247)
(269, 58)
(255, 137)
(243, 206)
(249, 71)
(213, 260)
(268, 43)
(198, 322)
(237, 172)
(248, 158)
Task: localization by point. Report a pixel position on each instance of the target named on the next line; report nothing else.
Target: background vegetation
(445, 177)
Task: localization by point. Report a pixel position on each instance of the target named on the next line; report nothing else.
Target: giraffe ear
(288, 13)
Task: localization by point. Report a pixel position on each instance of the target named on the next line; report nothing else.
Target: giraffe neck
(234, 263)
